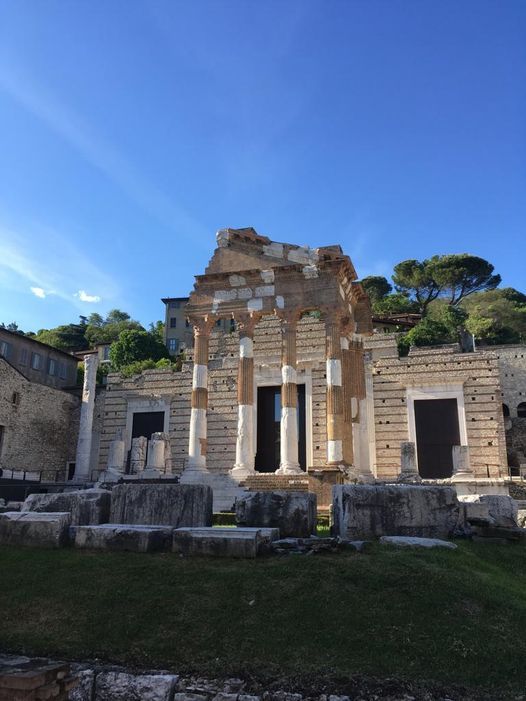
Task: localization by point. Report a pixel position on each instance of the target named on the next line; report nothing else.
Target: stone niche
(372, 511)
(293, 513)
(162, 504)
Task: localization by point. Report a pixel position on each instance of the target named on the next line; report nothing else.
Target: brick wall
(40, 423)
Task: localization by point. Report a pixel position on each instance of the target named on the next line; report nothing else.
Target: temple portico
(285, 282)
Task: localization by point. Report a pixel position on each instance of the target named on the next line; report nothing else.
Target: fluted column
(197, 445)
(334, 389)
(289, 463)
(246, 440)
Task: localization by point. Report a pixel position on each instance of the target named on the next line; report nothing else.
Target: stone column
(246, 439)
(408, 468)
(362, 392)
(155, 464)
(348, 447)
(462, 469)
(196, 470)
(289, 463)
(138, 454)
(334, 390)
(83, 457)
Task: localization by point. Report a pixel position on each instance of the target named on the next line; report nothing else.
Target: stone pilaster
(334, 390)
(83, 456)
(246, 439)
(348, 447)
(196, 466)
(289, 463)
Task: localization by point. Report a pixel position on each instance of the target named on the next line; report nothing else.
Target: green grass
(447, 616)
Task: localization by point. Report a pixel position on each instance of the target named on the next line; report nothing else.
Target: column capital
(202, 325)
(246, 322)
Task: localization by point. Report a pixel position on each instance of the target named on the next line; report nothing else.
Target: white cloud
(38, 292)
(85, 297)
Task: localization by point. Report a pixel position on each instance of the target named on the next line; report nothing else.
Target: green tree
(108, 330)
(69, 337)
(396, 303)
(413, 279)
(460, 275)
(497, 316)
(376, 287)
(134, 345)
(157, 330)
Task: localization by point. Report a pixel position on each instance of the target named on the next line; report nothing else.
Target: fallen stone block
(521, 518)
(294, 513)
(236, 544)
(411, 542)
(501, 509)
(175, 505)
(117, 536)
(87, 506)
(44, 530)
(120, 686)
(363, 511)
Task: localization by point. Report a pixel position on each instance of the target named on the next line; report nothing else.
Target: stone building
(512, 364)
(299, 388)
(37, 361)
(38, 425)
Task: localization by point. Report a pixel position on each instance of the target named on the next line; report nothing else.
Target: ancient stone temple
(283, 393)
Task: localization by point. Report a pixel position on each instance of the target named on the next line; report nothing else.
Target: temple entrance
(144, 424)
(268, 428)
(437, 431)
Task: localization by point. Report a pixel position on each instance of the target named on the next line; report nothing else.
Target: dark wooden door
(268, 428)
(147, 422)
(437, 431)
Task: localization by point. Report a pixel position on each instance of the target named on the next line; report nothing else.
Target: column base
(240, 472)
(194, 474)
(289, 470)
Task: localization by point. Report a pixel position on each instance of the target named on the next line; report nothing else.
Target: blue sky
(131, 131)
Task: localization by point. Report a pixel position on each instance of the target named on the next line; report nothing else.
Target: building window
(51, 367)
(173, 322)
(173, 345)
(187, 324)
(62, 371)
(521, 410)
(5, 349)
(106, 353)
(24, 356)
(36, 361)
(175, 304)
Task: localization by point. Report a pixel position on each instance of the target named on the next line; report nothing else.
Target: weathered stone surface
(502, 510)
(218, 542)
(521, 518)
(294, 513)
(162, 504)
(86, 506)
(369, 511)
(120, 686)
(114, 536)
(411, 542)
(85, 687)
(46, 530)
(287, 546)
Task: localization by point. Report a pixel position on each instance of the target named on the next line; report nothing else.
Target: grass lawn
(447, 616)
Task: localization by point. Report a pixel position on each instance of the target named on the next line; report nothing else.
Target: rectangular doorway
(437, 431)
(145, 423)
(268, 428)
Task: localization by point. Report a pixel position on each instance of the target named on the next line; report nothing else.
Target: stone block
(85, 686)
(45, 530)
(87, 506)
(521, 518)
(116, 536)
(173, 505)
(217, 542)
(121, 686)
(293, 513)
(502, 510)
(371, 511)
(410, 542)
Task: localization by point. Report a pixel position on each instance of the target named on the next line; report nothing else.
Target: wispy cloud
(101, 155)
(85, 297)
(46, 274)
